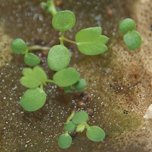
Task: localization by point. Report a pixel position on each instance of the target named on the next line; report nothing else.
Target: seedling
(89, 41)
(77, 122)
(131, 37)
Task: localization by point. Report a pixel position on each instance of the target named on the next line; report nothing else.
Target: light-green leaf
(70, 126)
(80, 128)
(31, 59)
(32, 78)
(91, 42)
(19, 46)
(95, 133)
(64, 141)
(66, 77)
(133, 40)
(80, 117)
(58, 58)
(63, 20)
(33, 99)
(127, 25)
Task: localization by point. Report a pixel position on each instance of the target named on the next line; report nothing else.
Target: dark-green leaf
(91, 42)
(31, 59)
(127, 25)
(80, 117)
(63, 20)
(95, 133)
(58, 58)
(32, 78)
(64, 141)
(19, 46)
(133, 40)
(66, 77)
(33, 99)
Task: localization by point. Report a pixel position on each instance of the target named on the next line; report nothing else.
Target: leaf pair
(131, 37)
(20, 47)
(78, 122)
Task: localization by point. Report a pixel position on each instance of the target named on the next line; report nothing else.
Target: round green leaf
(58, 58)
(19, 46)
(95, 133)
(31, 59)
(133, 40)
(64, 141)
(127, 25)
(66, 77)
(33, 99)
(63, 20)
(81, 85)
(80, 117)
(91, 42)
(70, 127)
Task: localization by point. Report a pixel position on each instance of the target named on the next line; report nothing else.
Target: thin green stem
(49, 81)
(38, 47)
(53, 8)
(61, 38)
(68, 40)
(70, 117)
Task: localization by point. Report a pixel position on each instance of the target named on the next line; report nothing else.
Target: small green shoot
(63, 20)
(33, 99)
(77, 122)
(131, 37)
(58, 58)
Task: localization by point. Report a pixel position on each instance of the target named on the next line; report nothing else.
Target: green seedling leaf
(66, 77)
(80, 117)
(81, 85)
(80, 128)
(64, 141)
(32, 78)
(133, 40)
(91, 42)
(70, 126)
(31, 59)
(63, 20)
(95, 133)
(58, 58)
(33, 99)
(19, 46)
(127, 25)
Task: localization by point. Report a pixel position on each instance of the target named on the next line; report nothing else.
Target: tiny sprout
(95, 133)
(33, 99)
(127, 25)
(77, 122)
(64, 141)
(19, 46)
(81, 85)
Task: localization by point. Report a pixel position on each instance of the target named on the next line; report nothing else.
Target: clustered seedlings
(131, 37)
(77, 122)
(89, 41)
